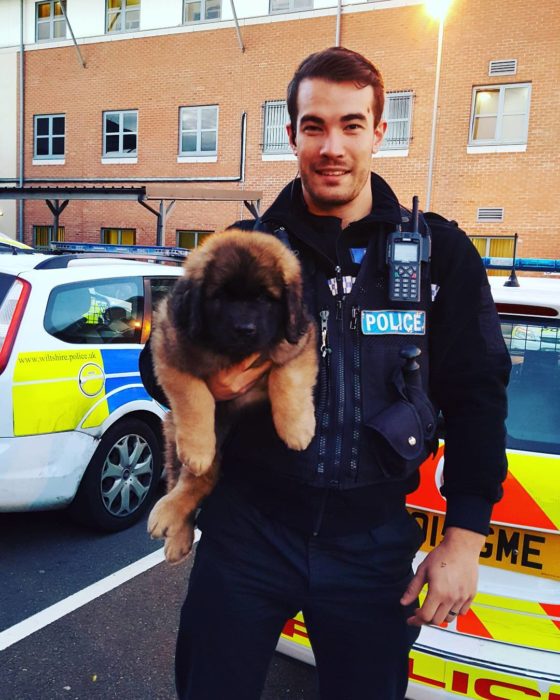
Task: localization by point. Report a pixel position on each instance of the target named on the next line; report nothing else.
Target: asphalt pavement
(119, 645)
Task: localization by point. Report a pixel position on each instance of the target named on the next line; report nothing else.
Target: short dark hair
(339, 65)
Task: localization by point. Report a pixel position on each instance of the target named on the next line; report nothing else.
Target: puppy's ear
(186, 306)
(296, 316)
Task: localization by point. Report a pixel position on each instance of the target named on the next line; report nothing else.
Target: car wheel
(121, 478)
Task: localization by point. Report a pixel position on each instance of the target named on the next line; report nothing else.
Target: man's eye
(354, 127)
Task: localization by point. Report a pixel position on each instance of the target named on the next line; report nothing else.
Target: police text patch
(391, 322)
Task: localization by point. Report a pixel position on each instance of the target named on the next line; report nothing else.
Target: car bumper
(40, 472)
(481, 669)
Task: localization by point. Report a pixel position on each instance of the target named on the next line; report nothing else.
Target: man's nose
(332, 145)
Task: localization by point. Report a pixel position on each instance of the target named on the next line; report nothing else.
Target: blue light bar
(155, 251)
(522, 264)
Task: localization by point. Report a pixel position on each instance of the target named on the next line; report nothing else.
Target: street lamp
(438, 10)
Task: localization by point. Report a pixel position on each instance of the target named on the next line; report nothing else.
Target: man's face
(334, 142)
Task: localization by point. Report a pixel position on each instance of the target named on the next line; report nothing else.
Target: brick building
(165, 87)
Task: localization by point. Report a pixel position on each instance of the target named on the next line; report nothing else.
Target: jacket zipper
(325, 352)
(341, 385)
(356, 386)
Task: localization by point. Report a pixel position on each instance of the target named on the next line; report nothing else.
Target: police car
(508, 645)
(77, 427)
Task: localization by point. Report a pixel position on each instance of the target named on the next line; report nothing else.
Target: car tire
(120, 481)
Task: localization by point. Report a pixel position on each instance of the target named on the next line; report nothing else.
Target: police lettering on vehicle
(391, 322)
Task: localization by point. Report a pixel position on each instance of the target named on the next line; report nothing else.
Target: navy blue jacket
(346, 480)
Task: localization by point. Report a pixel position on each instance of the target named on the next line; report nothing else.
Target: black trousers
(251, 574)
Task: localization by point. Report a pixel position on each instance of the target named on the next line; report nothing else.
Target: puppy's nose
(245, 329)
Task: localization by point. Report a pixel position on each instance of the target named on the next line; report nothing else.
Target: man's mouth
(331, 172)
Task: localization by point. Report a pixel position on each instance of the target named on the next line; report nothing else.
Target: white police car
(77, 427)
(508, 645)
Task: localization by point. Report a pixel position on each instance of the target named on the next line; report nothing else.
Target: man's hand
(451, 572)
(235, 381)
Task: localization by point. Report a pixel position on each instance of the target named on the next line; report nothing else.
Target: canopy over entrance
(57, 198)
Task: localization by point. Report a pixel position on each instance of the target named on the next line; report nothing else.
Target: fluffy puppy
(241, 294)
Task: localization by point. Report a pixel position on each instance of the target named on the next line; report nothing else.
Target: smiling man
(326, 530)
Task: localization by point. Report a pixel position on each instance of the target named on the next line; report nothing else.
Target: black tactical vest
(374, 419)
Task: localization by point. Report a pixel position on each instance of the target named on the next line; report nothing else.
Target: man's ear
(378, 134)
(291, 138)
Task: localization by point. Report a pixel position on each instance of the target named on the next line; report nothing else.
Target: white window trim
(197, 159)
(502, 87)
(504, 148)
(391, 153)
(119, 160)
(49, 161)
(190, 155)
(278, 157)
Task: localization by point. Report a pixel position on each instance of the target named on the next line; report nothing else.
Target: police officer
(326, 531)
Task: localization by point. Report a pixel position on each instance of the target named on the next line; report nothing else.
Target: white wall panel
(9, 23)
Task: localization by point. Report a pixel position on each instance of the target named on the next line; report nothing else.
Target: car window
(160, 287)
(97, 311)
(534, 391)
(6, 282)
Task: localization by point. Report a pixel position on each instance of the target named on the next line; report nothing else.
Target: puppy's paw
(166, 518)
(196, 458)
(298, 434)
(178, 547)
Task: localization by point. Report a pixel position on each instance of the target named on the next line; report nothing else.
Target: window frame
(389, 96)
(52, 19)
(51, 238)
(197, 233)
(120, 133)
(119, 230)
(109, 12)
(96, 327)
(203, 17)
(199, 152)
(49, 137)
(269, 148)
(291, 8)
(498, 140)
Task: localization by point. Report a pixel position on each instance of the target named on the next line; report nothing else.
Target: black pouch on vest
(403, 434)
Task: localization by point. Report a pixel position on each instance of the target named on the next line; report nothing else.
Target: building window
(290, 5)
(199, 10)
(122, 16)
(500, 114)
(495, 247)
(191, 239)
(275, 136)
(120, 134)
(199, 131)
(48, 137)
(49, 21)
(118, 236)
(43, 235)
(398, 114)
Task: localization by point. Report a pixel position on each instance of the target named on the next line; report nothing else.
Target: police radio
(405, 252)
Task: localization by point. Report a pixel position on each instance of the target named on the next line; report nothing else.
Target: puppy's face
(241, 316)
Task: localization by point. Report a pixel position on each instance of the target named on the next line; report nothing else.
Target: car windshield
(534, 390)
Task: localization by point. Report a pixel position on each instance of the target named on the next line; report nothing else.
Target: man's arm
(226, 384)
(469, 373)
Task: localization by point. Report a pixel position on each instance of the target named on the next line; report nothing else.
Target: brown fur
(183, 362)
